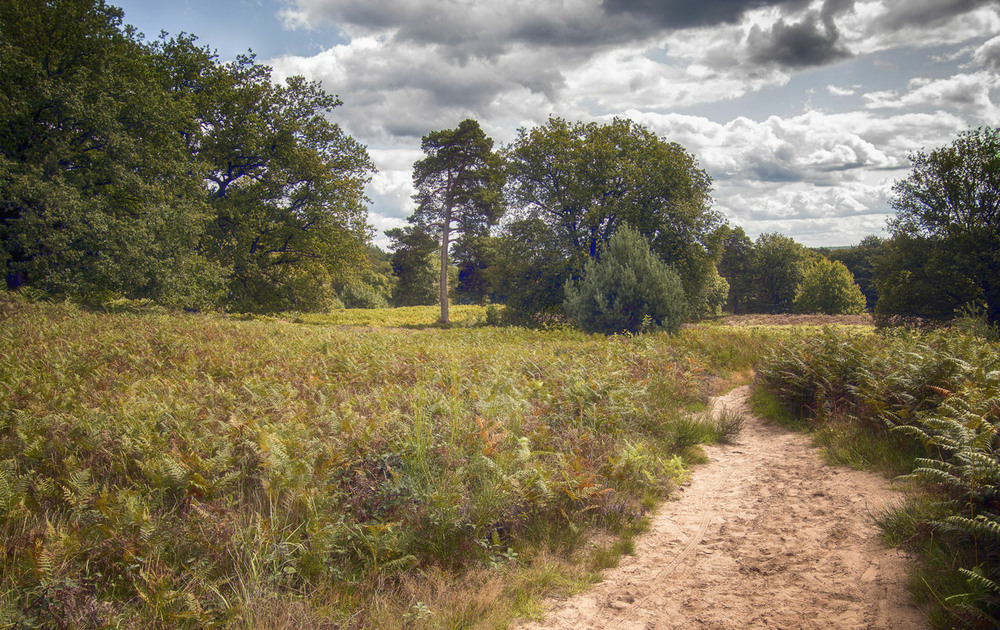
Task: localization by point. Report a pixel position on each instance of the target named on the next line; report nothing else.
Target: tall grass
(927, 406)
(198, 471)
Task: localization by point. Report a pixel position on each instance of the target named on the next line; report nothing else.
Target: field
(196, 470)
(372, 469)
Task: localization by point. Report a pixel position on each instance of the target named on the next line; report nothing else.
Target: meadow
(198, 470)
(372, 469)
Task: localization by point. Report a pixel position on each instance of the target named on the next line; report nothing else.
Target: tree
(99, 194)
(946, 232)
(916, 276)
(736, 266)
(585, 181)
(285, 184)
(828, 287)
(778, 266)
(371, 285)
(149, 170)
(413, 265)
(627, 289)
(475, 256)
(860, 261)
(458, 188)
(530, 272)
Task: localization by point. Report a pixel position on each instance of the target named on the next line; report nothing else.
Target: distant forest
(149, 170)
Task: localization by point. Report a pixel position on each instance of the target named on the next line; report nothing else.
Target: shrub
(628, 289)
(828, 287)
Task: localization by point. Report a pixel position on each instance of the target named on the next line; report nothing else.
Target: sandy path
(765, 536)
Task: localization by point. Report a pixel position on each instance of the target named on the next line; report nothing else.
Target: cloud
(679, 14)
(467, 28)
(928, 12)
(811, 42)
(877, 25)
(411, 66)
(822, 178)
(962, 92)
(988, 55)
(841, 91)
(397, 91)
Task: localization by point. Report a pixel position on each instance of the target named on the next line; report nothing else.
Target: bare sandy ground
(765, 536)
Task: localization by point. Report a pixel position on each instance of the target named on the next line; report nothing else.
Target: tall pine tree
(458, 188)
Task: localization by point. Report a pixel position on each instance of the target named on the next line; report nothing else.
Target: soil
(764, 536)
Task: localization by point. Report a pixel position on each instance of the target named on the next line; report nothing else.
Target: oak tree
(945, 247)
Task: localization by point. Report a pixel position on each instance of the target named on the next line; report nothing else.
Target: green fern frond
(976, 577)
(980, 526)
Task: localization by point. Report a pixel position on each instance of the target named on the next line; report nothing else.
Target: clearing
(765, 536)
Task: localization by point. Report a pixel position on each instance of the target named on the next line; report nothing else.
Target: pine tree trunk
(444, 264)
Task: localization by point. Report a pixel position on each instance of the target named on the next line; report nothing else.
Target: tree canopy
(627, 290)
(584, 181)
(412, 250)
(150, 170)
(96, 188)
(945, 246)
(828, 287)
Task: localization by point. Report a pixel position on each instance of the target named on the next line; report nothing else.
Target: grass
(923, 406)
(165, 470)
(402, 317)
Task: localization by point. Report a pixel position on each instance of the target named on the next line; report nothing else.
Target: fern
(976, 577)
(981, 527)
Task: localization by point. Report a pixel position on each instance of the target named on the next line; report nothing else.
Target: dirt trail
(765, 536)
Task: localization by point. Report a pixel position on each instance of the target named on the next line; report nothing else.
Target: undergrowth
(924, 406)
(162, 470)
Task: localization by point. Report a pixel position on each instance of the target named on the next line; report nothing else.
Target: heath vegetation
(197, 470)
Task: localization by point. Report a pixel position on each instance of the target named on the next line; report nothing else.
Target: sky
(803, 112)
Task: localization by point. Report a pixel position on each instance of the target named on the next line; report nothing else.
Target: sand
(764, 536)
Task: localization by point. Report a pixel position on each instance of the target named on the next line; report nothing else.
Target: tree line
(150, 170)
(567, 188)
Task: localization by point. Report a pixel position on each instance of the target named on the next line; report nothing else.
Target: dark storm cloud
(678, 14)
(810, 42)
(487, 29)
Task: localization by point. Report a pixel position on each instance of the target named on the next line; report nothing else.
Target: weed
(728, 424)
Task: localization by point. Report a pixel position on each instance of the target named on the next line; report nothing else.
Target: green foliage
(286, 186)
(530, 274)
(413, 265)
(945, 246)
(458, 189)
(97, 197)
(583, 182)
(629, 289)
(916, 276)
(371, 285)
(476, 257)
(778, 270)
(828, 287)
(735, 265)
(933, 399)
(188, 471)
(713, 296)
(860, 261)
(139, 170)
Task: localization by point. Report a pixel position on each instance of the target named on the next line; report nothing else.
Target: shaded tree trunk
(445, 229)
